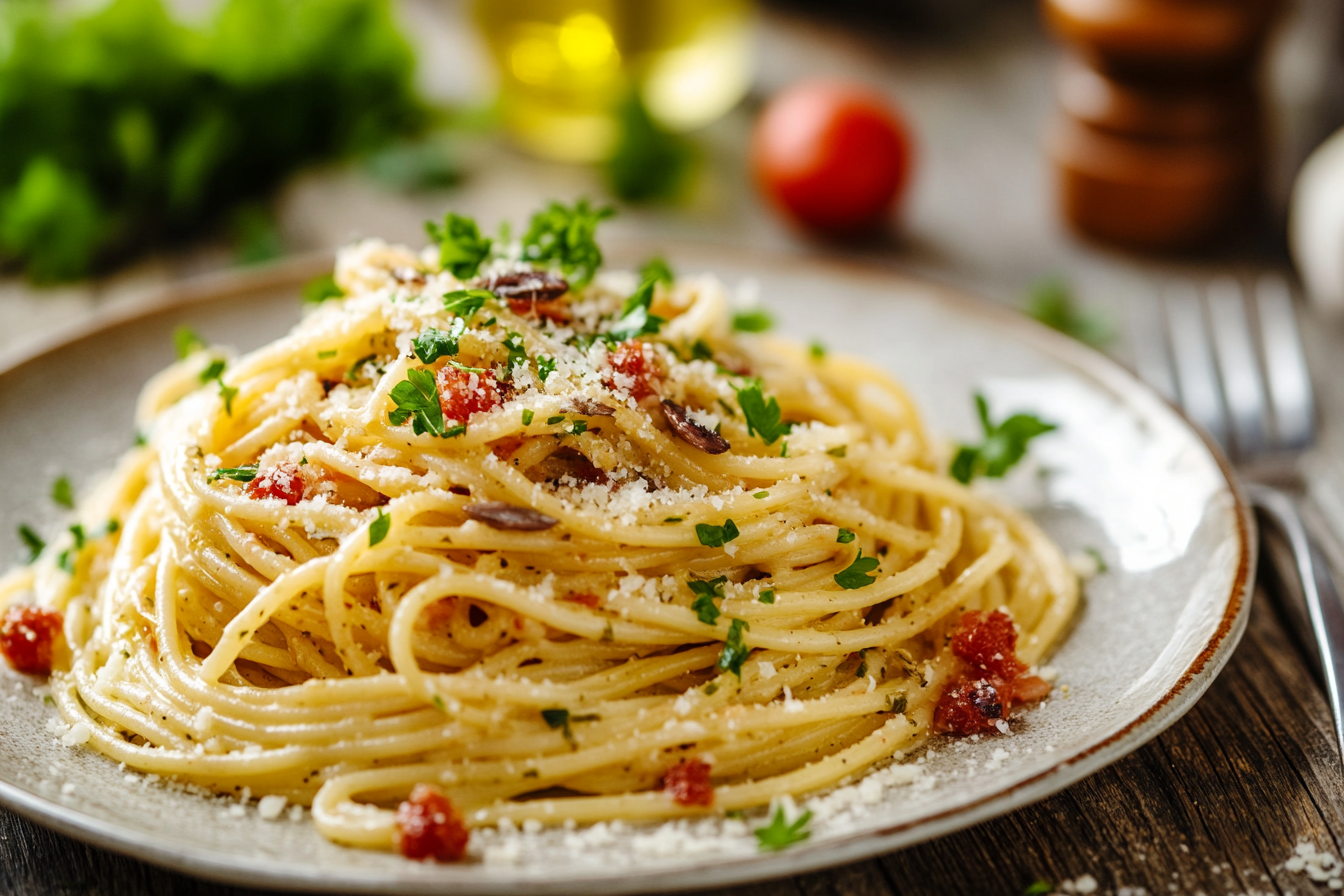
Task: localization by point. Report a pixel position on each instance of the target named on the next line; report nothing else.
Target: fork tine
(1192, 353)
(1285, 365)
(1238, 368)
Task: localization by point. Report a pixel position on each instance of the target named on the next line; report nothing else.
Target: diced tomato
(587, 598)
(429, 827)
(463, 393)
(993, 680)
(27, 635)
(988, 642)
(687, 783)
(554, 310)
(631, 369)
(283, 481)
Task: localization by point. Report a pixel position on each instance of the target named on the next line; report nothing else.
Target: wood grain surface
(1214, 805)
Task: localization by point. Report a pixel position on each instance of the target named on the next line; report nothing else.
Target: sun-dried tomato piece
(587, 598)
(27, 636)
(532, 294)
(282, 481)
(968, 708)
(988, 642)
(429, 827)
(687, 783)
(631, 369)
(463, 393)
(1028, 689)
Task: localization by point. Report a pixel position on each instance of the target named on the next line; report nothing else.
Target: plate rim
(293, 271)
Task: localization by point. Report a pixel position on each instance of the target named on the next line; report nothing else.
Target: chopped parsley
(551, 421)
(759, 495)
(439, 704)
(705, 608)
(63, 493)
(417, 400)
(1039, 888)
(734, 652)
(228, 393)
(855, 575)
(319, 289)
(674, 519)
(816, 351)
(1052, 303)
(779, 834)
(757, 320)
(704, 602)
(379, 528)
(517, 351)
(461, 246)
(434, 344)
(545, 367)
(528, 414)
(762, 416)
(466, 302)
(244, 473)
(657, 270)
(784, 449)
(838, 451)
(69, 556)
(213, 371)
(357, 369)
(767, 596)
(1098, 558)
(187, 342)
(1004, 445)
(329, 353)
(635, 318)
(558, 718)
(32, 541)
(578, 427)
(845, 536)
(716, 536)
(700, 351)
(566, 237)
(453, 432)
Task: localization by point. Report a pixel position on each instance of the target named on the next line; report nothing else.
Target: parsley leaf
(517, 350)
(63, 493)
(578, 427)
(635, 318)
(716, 536)
(734, 652)
(855, 575)
(704, 602)
(816, 351)
(213, 371)
(545, 367)
(1005, 444)
(845, 536)
(32, 541)
(656, 269)
(187, 342)
(244, 473)
(762, 416)
(838, 451)
(461, 246)
(565, 236)
(1051, 302)
(228, 393)
(417, 400)
(379, 528)
(757, 320)
(779, 834)
(1097, 558)
(705, 609)
(558, 718)
(466, 302)
(528, 414)
(648, 163)
(767, 596)
(434, 344)
(1039, 888)
(319, 289)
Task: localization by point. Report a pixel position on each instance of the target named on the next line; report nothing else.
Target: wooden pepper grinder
(1160, 144)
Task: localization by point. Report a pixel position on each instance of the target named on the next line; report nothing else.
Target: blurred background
(1053, 155)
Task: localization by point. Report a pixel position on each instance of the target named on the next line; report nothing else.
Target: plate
(1125, 475)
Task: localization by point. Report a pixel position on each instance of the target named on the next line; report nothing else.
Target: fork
(1232, 358)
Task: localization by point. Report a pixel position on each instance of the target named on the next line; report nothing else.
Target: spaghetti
(566, 552)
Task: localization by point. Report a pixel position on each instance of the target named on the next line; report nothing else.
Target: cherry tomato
(834, 156)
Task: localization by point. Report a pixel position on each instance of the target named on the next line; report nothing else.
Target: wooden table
(1214, 805)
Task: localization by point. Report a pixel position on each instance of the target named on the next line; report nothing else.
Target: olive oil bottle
(564, 65)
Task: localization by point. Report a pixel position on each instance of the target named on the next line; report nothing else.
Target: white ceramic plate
(1124, 474)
